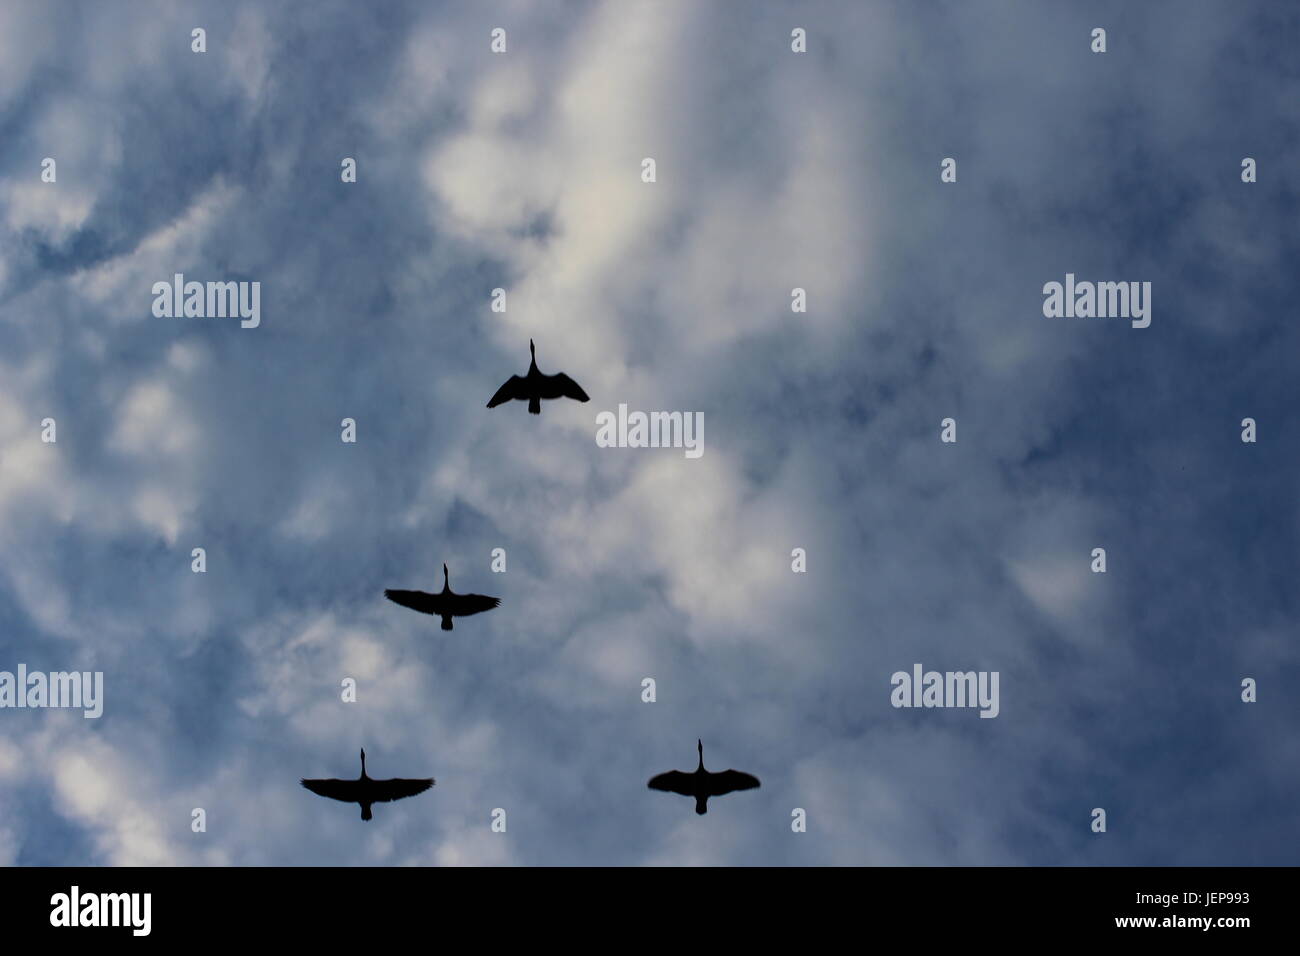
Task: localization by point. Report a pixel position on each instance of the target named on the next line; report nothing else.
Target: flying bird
(446, 604)
(535, 386)
(365, 790)
(702, 784)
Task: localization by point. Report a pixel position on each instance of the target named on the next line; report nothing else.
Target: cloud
(522, 171)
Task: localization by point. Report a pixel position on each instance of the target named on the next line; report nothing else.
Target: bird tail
(701, 805)
(535, 405)
(446, 623)
(365, 812)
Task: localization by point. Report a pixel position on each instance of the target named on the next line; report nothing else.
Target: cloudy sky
(775, 170)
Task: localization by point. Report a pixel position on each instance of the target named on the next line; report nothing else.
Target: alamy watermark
(74, 908)
(653, 430)
(950, 689)
(35, 689)
(1100, 300)
(210, 300)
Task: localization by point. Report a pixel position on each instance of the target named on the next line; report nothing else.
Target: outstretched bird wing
(674, 781)
(729, 780)
(513, 388)
(465, 604)
(418, 601)
(382, 791)
(560, 385)
(345, 790)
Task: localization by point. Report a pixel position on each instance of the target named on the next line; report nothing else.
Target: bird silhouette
(446, 604)
(365, 790)
(535, 386)
(702, 784)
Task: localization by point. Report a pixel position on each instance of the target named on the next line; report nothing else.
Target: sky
(775, 170)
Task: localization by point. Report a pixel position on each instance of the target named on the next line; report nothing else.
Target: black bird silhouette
(535, 386)
(446, 604)
(702, 784)
(365, 790)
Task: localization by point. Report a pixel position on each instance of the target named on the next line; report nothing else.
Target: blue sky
(775, 170)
